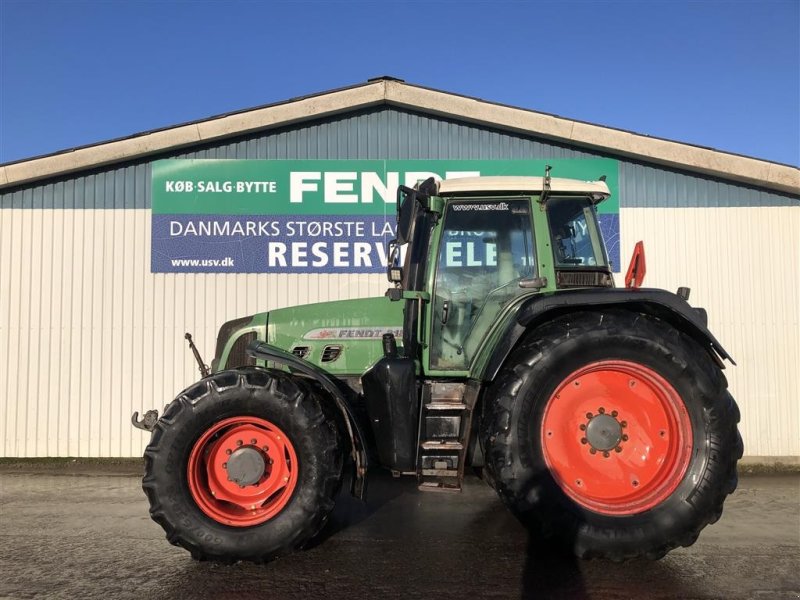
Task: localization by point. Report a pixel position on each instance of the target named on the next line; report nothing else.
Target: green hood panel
(355, 327)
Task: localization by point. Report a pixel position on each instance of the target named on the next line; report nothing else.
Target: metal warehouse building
(91, 329)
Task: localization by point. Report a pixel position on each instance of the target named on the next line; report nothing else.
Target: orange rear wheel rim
(616, 437)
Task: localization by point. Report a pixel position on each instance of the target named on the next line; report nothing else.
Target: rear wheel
(243, 465)
(612, 433)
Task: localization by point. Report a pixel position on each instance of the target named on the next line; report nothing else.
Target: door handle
(533, 284)
(445, 311)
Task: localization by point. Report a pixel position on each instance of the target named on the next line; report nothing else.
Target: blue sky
(719, 74)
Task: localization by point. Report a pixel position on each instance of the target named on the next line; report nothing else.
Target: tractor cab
(478, 246)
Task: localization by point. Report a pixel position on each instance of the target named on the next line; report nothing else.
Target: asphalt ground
(85, 533)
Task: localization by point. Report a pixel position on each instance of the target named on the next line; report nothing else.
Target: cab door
(485, 250)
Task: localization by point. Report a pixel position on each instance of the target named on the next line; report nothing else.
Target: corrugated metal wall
(88, 334)
(743, 266)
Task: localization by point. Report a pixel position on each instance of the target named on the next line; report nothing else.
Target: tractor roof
(598, 189)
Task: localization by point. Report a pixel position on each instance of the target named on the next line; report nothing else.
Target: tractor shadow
(550, 573)
(546, 569)
(350, 511)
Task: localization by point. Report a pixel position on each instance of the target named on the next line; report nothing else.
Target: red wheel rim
(226, 501)
(635, 409)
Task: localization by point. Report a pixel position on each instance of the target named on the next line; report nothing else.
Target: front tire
(243, 465)
(613, 434)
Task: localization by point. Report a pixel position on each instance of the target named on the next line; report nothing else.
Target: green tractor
(599, 414)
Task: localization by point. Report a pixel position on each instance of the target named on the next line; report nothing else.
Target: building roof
(393, 92)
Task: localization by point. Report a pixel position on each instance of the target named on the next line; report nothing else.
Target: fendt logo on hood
(343, 333)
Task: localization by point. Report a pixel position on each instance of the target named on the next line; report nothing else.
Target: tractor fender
(335, 392)
(662, 304)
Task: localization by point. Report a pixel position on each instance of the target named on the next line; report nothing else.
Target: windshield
(573, 229)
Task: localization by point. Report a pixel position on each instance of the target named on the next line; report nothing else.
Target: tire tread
(249, 383)
(532, 502)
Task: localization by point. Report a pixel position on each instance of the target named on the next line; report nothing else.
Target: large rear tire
(613, 434)
(243, 465)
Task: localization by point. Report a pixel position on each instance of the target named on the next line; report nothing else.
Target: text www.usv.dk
(202, 262)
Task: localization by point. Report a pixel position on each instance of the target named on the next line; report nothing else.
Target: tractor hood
(342, 337)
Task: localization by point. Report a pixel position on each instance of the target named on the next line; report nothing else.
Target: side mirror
(407, 204)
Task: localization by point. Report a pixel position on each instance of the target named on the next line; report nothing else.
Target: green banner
(312, 216)
(332, 187)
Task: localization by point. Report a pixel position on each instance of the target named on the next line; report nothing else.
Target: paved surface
(73, 535)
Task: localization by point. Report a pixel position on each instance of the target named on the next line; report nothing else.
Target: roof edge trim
(687, 157)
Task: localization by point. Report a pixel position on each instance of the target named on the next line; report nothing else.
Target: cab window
(573, 227)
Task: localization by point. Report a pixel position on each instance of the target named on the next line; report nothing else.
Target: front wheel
(243, 465)
(612, 433)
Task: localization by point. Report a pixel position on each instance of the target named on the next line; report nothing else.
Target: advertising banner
(312, 216)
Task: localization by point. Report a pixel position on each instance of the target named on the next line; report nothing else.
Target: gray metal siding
(117, 187)
(649, 186)
(387, 133)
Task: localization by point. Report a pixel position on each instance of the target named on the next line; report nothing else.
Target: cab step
(445, 419)
(435, 486)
